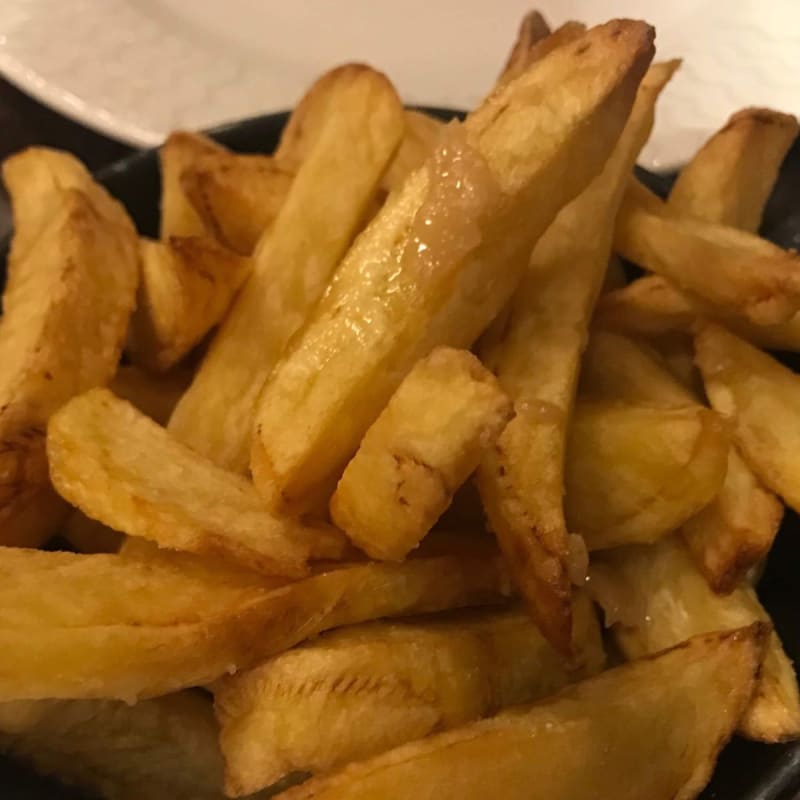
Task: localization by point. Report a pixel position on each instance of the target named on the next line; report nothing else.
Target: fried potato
(406, 286)
(162, 749)
(731, 178)
(536, 359)
(424, 445)
(634, 473)
(420, 139)
(124, 470)
(360, 691)
(154, 395)
(236, 196)
(532, 30)
(88, 535)
(187, 285)
(137, 625)
(292, 265)
(615, 274)
(650, 729)
(761, 398)
(654, 597)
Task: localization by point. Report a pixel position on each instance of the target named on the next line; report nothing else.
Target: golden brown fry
(360, 691)
(650, 729)
(161, 749)
(424, 445)
(527, 52)
(392, 301)
(124, 470)
(131, 626)
(654, 597)
(532, 30)
(730, 179)
(536, 358)
(187, 285)
(420, 139)
(153, 395)
(292, 265)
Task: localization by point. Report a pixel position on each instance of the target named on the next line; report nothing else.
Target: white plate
(136, 69)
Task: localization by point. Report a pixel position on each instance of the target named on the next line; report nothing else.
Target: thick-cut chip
(123, 469)
(138, 625)
(536, 358)
(761, 397)
(424, 445)
(731, 178)
(153, 395)
(187, 285)
(292, 265)
(635, 473)
(66, 310)
(651, 729)
(532, 30)
(422, 134)
(443, 255)
(161, 749)
(736, 529)
(654, 597)
(358, 692)
(236, 196)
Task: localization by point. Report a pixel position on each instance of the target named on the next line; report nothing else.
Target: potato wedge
(393, 301)
(634, 473)
(536, 359)
(654, 597)
(532, 29)
(187, 285)
(162, 749)
(424, 445)
(154, 395)
(650, 729)
(730, 179)
(360, 691)
(126, 471)
(137, 625)
(64, 321)
(292, 266)
(420, 139)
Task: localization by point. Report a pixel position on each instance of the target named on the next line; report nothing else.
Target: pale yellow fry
(360, 691)
(138, 625)
(406, 286)
(731, 177)
(421, 136)
(292, 265)
(649, 729)
(424, 445)
(532, 29)
(536, 358)
(654, 597)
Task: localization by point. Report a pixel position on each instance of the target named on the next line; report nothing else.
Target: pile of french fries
(395, 370)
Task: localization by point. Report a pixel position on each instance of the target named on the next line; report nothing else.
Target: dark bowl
(746, 770)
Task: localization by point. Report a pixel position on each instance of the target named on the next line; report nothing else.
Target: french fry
(126, 471)
(536, 359)
(88, 535)
(521, 160)
(654, 597)
(532, 30)
(650, 729)
(360, 691)
(139, 624)
(292, 265)
(634, 473)
(424, 445)
(154, 395)
(187, 285)
(422, 134)
(731, 178)
(162, 749)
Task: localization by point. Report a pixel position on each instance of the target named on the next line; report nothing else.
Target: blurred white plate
(136, 69)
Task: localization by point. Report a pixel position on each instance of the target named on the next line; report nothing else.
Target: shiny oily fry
(144, 624)
(650, 729)
(737, 528)
(634, 473)
(654, 597)
(392, 301)
(65, 315)
(126, 471)
(536, 359)
(162, 749)
(292, 265)
(731, 177)
(761, 398)
(360, 691)
(424, 445)
(532, 30)
(187, 285)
